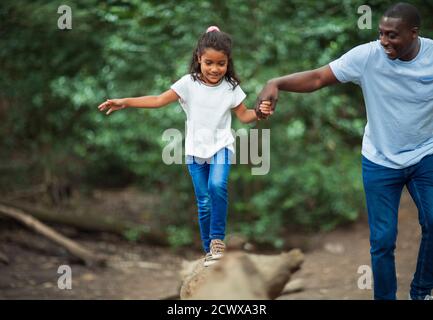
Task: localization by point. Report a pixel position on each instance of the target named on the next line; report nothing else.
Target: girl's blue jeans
(383, 187)
(209, 177)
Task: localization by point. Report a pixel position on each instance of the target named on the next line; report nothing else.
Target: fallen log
(239, 276)
(3, 258)
(85, 255)
(87, 221)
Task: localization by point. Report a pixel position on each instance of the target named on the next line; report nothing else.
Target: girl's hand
(266, 107)
(264, 110)
(112, 105)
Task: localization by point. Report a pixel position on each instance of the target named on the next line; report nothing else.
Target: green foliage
(134, 234)
(52, 81)
(179, 236)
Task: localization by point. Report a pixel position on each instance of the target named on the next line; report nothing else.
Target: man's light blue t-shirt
(399, 101)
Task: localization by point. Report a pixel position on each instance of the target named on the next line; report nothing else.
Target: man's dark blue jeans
(383, 187)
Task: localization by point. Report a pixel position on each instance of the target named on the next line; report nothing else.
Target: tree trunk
(240, 276)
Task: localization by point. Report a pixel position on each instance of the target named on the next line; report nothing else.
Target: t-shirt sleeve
(181, 87)
(351, 65)
(239, 96)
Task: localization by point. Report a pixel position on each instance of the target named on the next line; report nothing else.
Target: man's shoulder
(363, 51)
(368, 47)
(427, 41)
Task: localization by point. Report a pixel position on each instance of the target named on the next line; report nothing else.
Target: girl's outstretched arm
(139, 102)
(249, 115)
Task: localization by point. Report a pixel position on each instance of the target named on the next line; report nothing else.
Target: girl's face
(213, 65)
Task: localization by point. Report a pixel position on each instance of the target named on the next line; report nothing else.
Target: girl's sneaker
(217, 248)
(208, 260)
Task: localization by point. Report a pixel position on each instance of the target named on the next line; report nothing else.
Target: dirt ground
(29, 267)
(331, 270)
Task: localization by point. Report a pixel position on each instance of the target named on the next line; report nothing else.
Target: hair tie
(212, 28)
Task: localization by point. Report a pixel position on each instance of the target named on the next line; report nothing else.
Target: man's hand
(268, 94)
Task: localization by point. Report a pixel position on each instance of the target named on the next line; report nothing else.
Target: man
(396, 77)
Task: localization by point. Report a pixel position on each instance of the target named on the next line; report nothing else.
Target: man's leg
(421, 189)
(383, 187)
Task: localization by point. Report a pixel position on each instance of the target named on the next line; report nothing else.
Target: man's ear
(415, 32)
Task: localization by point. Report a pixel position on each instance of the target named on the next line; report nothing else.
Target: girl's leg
(217, 185)
(199, 171)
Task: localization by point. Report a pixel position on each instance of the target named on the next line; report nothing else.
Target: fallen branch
(31, 192)
(88, 221)
(4, 259)
(85, 255)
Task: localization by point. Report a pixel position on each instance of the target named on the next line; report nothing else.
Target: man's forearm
(306, 81)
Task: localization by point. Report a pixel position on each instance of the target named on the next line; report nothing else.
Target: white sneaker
(427, 297)
(208, 260)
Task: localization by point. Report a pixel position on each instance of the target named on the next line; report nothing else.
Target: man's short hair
(406, 12)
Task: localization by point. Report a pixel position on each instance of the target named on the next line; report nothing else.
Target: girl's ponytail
(213, 28)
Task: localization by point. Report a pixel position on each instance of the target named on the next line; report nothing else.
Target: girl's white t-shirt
(208, 114)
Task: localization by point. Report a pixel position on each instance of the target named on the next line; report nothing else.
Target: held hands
(112, 105)
(264, 109)
(267, 101)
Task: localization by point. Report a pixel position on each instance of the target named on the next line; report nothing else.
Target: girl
(206, 94)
